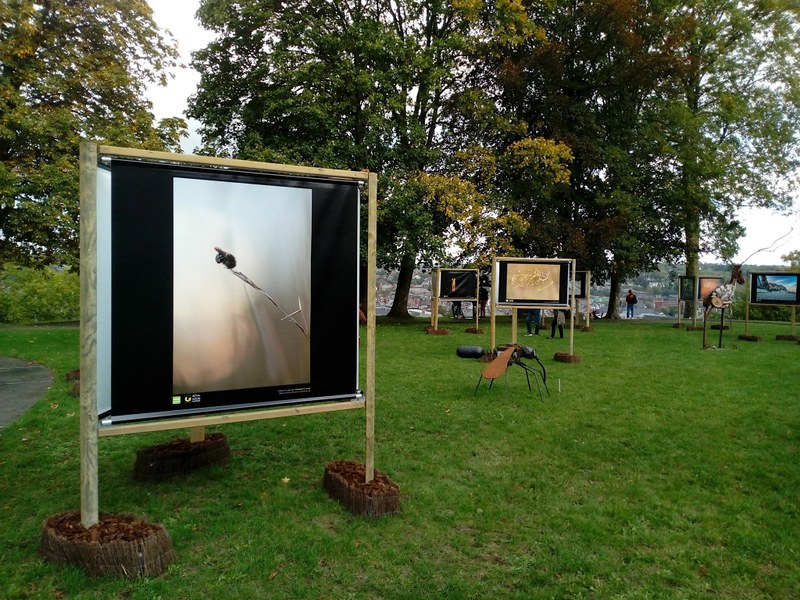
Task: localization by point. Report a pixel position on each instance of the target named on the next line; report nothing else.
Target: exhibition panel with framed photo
(221, 289)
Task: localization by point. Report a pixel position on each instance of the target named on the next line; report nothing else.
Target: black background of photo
(142, 294)
(502, 284)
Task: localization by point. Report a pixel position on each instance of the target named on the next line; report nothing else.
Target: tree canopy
(70, 71)
(356, 85)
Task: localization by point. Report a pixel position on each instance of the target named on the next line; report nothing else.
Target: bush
(38, 295)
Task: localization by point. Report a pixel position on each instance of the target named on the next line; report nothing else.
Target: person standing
(532, 317)
(630, 301)
(558, 321)
(483, 297)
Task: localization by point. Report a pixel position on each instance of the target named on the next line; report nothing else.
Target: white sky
(178, 16)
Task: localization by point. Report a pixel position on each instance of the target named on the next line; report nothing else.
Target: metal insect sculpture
(228, 260)
(721, 297)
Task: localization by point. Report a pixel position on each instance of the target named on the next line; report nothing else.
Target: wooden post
(88, 333)
(492, 307)
(794, 321)
(478, 303)
(680, 296)
(572, 312)
(514, 312)
(372, 222)
(197, 434)
(588, 325)
(436, 275)
(747, 307)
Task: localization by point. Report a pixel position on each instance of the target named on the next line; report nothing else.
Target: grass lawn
(659, 470)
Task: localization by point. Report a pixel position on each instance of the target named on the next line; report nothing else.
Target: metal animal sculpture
(501, 359)
(721, 297)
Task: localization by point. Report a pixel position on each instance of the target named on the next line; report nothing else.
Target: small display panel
(458, 284)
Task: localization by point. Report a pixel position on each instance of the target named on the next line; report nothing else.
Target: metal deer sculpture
(721, 297)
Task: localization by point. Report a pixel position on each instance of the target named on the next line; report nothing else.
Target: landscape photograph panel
(776, 288)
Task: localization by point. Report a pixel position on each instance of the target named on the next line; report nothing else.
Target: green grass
(659, 470)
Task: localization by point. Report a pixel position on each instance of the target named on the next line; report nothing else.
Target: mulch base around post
(431, 331)
(118, 545)
(345, 481)
(566, 357)
(751, 338)
(787, 338)
(473, 330)
(180, 456)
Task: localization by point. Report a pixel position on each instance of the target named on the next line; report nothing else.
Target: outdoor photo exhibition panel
(458, 284)
(215, 291)
(775, 288)
(545, 283)
(453, 285)
(225, 290)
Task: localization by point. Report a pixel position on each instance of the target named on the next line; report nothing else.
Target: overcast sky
(178, 16)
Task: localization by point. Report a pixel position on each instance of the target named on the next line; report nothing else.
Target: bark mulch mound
(180, 456)
(751, 338)
(119, 545)
(566, 357)
(431, 331)
(787, 338)
(345, 481)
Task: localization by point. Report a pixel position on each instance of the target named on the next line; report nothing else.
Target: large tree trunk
(692, 233)
(613, 297)
(399, 308)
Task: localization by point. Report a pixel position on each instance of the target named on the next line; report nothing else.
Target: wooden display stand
(90, 432)
(791, 337)
(569, 357)
(433, 329)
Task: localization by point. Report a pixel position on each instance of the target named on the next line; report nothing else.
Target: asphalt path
(22, 383)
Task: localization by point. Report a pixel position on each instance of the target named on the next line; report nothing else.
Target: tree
(730, 117)
(349, 84)
(70, 71)
(583, 81)
(793, 258)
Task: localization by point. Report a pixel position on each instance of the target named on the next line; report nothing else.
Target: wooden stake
(88, 333)
(372, 222)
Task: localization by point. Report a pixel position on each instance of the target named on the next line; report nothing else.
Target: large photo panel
(229, 290)
(778, 288)
(521, 282)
